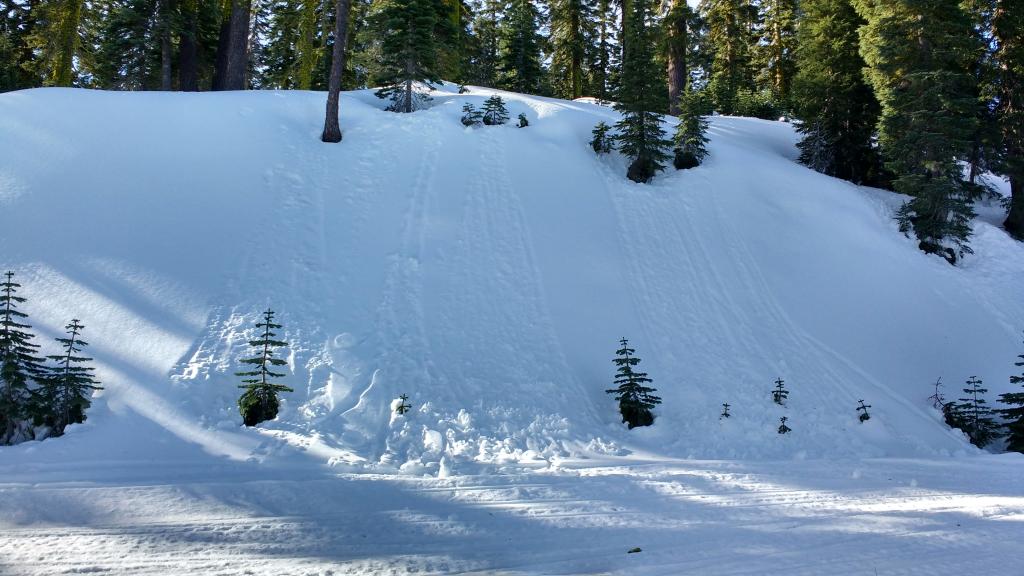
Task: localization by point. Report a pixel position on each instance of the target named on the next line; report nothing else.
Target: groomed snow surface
(488, 273)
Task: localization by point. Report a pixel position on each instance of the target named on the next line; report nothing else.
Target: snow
(488, 274)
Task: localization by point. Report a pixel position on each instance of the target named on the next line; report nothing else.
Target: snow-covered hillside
(488, 273)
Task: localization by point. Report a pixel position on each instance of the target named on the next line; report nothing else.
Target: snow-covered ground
(487, 273)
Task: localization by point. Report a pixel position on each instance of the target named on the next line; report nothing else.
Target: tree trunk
(220, 66)
(238, 48)
(188, 51)
(1015, 220)
(332, 131)
(166, 50)
(677, 41)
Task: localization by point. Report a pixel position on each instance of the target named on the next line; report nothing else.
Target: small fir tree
(938, 398)
(471, 116)
(725, 411)
(689, 138)
(863, 409)
(523, 122)
(18, 362)
(67, 389)
(634, 397)
(494, 112)
(403, 405)
(601, 142)
(1015, 415)
(259, 402)
(783, 429)
(780, 394)
(975, 417)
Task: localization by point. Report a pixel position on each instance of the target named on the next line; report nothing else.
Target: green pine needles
(1015, 414)
(634, 397)
(66, 390)
(259, 402)
(19, 364)
(495, 112)
(689, 140)
(973, 416)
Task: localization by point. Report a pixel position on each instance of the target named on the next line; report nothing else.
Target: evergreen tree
(523, 121)
(56, 41)
(783, 429)
(974, 417)
(689, 138)
(639, 133)
(919, 55)
(128, 54)
(65, 394)
(838, 109)
(635, 398)
(725, 411)
(1008, 35)
(1015, 414)
(601, 54)
(572, 32)
(403, 405)
(780, 394)
(410, 55)
(677, 44)
(18, 20)
(18, 363)
(863, 409)
(494, 112)
(487, 43)
(471, 116)
(938, 398)
(519, 65)
(777, 49)
(259, 402)
(601, 142)
(731, 35)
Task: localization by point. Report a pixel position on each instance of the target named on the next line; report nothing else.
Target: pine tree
(494, 112)
(403, 405)
(18, 363)
(780, 394)
(689, 150)
(731, 35)
(487, 42)
(783, 429)
(572, 32)
(259, 402)
(725, 411)
(863, 409)
(471, 116)
(677, 44)
(639, 133)
(919, 55)
(17, 25)
(634, 397)
(65, 394)
(974, 417)
(523, 121)
(600, 54)
(1008, 34)
(519, 64)
(938, 398)
(601, 142)
(1015, 415)
(777, 49)
(56, 41)
(838, 109)
(410, 54)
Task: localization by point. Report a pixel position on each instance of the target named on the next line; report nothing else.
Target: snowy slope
(488, 273)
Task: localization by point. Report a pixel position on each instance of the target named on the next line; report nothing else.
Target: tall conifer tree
(1008, 34)
(1015, 412)
(572, 32)
(777, 49)
(731, 36)
(519, 64)
(677, 43)
(66, 391)
(19, 364)
(410, 32)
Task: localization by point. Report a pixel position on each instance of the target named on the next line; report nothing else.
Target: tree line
(920, 96)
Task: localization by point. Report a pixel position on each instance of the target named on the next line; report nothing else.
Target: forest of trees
(919, 96)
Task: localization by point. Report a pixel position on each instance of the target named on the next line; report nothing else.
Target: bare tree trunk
(677, 41)
(188, 51)
(1015, 220)
(220, 66)
(166, 50)
(332, 131)
(238, 47)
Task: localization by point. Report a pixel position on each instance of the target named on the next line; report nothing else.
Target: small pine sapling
(725, 411)
(975, 418)
(259, 402)
(495, 112)
(1015, 415)
(403, 406)
(67, 389)
(863, 409)
(689, 140)
(471, 116)
(601, 142)
(463, 89)
(783, 429)
(523, 122)
(634, 397)
(780, 394)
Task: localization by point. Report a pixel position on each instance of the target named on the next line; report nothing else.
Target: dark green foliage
(486, 44)
(756, 104)
(783, 429)
(65, 393)
(838, 109)
(519, 61)
(920, 54)
(1008, 36)
(410, 33)
(635, 398)
(18, 361)
(1015, 412)
(863, 409)
(780, 394)
(639, 134)
(601, 142)
(18, 20)
(403, 406)
(494, 112)
(523, 122)
(731, 38)
(572, 35)
(725, 411)
(259, 402)
(973, 417)
(689, 150)
(471, 116)
(776, 53)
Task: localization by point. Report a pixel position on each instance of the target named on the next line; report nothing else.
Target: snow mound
(485, 272)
